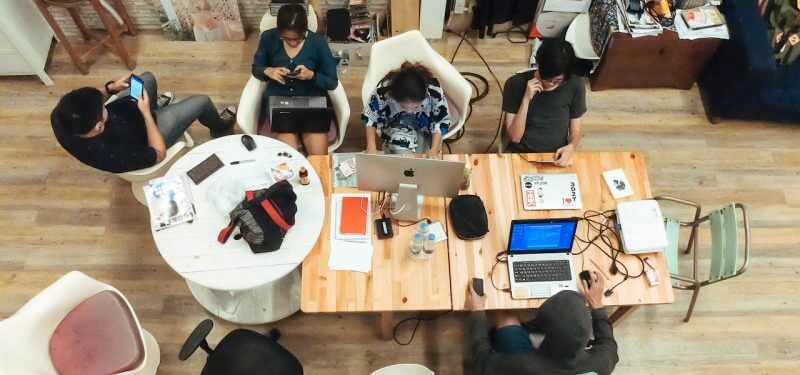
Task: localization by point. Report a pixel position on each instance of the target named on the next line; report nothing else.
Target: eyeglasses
(285, 154)
(293, 40)
(553, 82)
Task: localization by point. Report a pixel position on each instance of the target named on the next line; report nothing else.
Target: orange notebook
(353, 216)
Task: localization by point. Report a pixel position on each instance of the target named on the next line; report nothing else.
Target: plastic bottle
(416, 244)
(430, 244)
(423, 229)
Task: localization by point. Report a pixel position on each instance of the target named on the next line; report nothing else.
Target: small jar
(303, 175)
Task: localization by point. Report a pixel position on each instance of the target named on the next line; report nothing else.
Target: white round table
(229, 280)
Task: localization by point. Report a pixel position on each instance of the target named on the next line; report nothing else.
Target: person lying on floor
(126, 134)
(567, 325)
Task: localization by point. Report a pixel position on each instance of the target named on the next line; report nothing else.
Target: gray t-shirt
(549, 113)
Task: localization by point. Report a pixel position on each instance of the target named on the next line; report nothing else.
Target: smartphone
(137, 87)
(293, 73)
(477, 285)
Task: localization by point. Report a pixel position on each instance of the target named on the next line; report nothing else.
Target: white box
(553, 24)
(641, 226)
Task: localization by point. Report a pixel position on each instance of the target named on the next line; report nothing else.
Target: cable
(419, 318)
(508, 33)
(609, 237)
(479, 96)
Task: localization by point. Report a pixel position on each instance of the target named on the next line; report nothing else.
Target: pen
(242, 161)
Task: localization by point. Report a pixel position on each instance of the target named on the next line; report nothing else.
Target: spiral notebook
(352, 217)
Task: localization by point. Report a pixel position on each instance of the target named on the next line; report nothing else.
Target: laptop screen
(546, 236)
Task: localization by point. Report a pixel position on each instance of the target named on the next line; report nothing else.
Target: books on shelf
(169, 200)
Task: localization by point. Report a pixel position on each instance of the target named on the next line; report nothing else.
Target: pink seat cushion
(99, 336)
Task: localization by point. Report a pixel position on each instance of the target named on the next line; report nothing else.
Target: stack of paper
(351, 242)
(685, 32)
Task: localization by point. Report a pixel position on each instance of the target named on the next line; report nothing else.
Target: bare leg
(316, 143)
(290, 139)
(504, 318)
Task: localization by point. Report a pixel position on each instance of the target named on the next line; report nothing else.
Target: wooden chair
(115, 19)
(724, 227)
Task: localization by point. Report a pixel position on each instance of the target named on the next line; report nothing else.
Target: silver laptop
(539, 257)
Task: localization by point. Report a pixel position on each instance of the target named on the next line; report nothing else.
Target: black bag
(264, 217)
(468, 216)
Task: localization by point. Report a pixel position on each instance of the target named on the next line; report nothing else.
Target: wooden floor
(58, 215)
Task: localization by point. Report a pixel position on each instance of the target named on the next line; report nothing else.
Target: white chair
(25, 336)
(250, 104)
(580, 37)
(389, 54)
(404, 369)
(140, 178)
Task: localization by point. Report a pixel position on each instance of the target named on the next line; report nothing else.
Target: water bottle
(423, 229)
(430, 244)
(416, 244)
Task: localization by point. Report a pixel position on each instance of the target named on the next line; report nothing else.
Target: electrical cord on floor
(598, 222)
(479, 94)
(419, 319)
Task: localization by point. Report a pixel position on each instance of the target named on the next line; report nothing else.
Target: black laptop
(300, 114)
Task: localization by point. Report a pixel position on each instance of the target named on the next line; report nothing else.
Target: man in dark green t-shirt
(543, 108)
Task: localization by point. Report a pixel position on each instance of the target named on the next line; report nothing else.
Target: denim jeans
(174, 119)
(512, 339)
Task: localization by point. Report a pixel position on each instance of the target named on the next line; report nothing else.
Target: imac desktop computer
(410, 179)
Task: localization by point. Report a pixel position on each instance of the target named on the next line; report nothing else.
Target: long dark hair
(292, 17)
(409, 82)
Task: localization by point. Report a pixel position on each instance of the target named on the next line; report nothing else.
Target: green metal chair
(724, 226)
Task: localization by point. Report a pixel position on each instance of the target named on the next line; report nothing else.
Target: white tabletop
(192, 250)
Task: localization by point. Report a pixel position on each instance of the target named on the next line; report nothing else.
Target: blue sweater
(315, 55)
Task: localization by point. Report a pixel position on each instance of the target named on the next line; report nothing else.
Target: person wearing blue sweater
(288, 48)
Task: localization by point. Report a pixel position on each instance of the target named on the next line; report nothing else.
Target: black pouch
(468, 216)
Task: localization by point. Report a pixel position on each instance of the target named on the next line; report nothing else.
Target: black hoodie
(567, 325)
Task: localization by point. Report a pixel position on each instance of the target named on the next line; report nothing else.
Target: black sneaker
(164, 99)
(228, 117)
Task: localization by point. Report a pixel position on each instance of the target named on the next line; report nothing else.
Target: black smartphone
(477, 284)
(137, 87)
(206, 168)
(293, 73)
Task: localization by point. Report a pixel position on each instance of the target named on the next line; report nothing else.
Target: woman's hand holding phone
(277, 74)
(303, 73)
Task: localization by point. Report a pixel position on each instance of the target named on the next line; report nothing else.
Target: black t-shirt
(121, 147)
(549, 113)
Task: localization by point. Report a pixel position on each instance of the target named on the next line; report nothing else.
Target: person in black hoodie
(567, 326)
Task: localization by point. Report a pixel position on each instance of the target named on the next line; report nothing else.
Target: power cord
(480, 95)
(598, 222)
(419, 319)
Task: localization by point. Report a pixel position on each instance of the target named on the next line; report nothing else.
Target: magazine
(169, 200)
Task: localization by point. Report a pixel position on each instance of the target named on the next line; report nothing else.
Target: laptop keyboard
(541, 270)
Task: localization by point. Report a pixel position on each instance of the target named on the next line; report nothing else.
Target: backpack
(784, 18)
(468, 216)
(264, 217)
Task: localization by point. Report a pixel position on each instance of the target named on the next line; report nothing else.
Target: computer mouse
(248, 142)
(585, 275)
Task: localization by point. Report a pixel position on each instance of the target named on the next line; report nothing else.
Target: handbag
(263, 218)
(785, 19)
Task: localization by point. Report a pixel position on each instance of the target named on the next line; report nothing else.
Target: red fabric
(275, 215)
(99, 336)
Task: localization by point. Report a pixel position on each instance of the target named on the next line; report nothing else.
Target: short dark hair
(554, 58)
(80, 110)
(409, 83)
(292, 17)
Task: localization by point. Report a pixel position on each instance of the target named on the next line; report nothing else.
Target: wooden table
(495, 178)
(396, 282)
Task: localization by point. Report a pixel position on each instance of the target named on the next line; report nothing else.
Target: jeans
(174, 119)
(512, 340)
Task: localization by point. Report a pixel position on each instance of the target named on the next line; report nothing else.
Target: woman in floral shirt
(407, 112)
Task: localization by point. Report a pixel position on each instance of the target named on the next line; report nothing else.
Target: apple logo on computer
(409, 172)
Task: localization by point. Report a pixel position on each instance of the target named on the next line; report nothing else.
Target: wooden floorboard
(57, 215)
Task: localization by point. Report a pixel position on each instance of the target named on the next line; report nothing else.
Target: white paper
(437, 230)
(684, 32)
(618, 183)
(347, 255)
